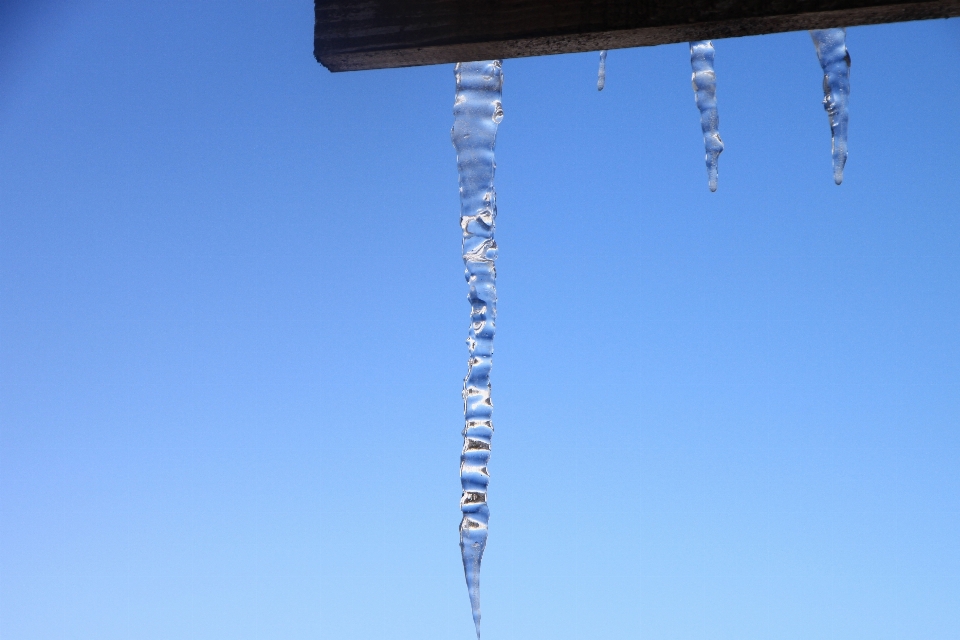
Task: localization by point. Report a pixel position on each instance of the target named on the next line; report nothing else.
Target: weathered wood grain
(370, 34)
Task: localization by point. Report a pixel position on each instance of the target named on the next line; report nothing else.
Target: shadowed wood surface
(351, 35)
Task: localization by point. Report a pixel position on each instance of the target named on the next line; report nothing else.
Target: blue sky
(232, 323)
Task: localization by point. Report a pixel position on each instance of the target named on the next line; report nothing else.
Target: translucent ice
(705, 93)
(477, 112)
(602, 73)
(831, 47)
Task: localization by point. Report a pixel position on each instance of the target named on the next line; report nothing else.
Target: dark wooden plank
(370, 34)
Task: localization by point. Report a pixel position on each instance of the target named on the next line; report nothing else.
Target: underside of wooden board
(351, 35)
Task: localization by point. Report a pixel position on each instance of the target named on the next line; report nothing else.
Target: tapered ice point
(602, 73)
(704, 82)
(835, 61)
(472, 544)
(477, 112)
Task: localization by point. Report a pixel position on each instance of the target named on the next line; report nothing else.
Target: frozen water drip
(477, 113)
(705, 93)
(602, 73)
(834, 59)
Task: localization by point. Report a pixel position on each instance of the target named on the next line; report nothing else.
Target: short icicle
(602, 73)
(834, 59)
(477, 112)
(705, 93)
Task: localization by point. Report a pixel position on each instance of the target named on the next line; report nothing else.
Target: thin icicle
(705, 93)
(477, 113)
(834, 59)
(602, 74)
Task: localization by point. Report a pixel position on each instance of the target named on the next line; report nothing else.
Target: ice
(602, 73)
(705, 93)
(835, 61)
(477, 113)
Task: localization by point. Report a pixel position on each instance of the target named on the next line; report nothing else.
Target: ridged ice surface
(602, 73)
(477, 112)
(831, 47)
(705, 93)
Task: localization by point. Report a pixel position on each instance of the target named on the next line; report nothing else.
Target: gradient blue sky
(232, 322)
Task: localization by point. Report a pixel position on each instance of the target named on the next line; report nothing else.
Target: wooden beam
(372, 34)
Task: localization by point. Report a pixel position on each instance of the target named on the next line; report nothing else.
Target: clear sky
(232, 323)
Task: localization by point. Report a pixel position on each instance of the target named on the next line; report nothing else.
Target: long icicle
(704, 82)
(477, 113)
(834, 59)
(602, 73)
